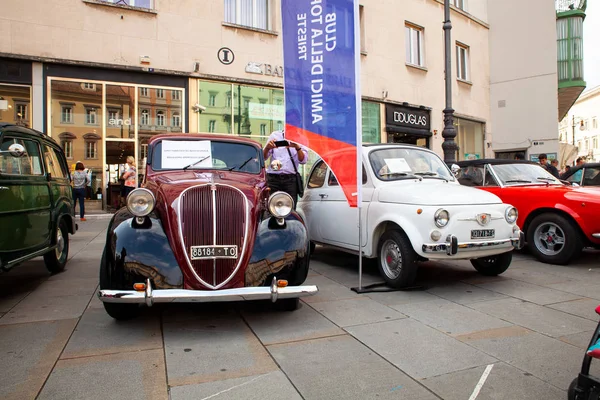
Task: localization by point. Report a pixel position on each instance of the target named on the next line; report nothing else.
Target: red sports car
(558, 220)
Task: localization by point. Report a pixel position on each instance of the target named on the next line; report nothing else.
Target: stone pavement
(531, 325)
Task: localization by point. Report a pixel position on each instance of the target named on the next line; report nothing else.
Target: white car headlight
(280, 204)
(441, 217)
(511, 215)
(140, 202)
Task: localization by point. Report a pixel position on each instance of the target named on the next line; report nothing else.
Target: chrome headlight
(511, 215)
(441, 217)
(140, 202)
(280, 204)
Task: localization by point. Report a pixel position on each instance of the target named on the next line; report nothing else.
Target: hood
(434, 192)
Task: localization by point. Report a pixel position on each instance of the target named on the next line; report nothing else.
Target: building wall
(584, 117)
(523, 76)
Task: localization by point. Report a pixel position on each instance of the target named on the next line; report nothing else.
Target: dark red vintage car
(204, 227)
(558, 220)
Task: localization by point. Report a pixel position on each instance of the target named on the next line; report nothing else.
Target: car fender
(135, 251)
(565, 210)
(380, 216)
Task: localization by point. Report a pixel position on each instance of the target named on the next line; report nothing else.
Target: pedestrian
(80, 180)
(285, 160)
(128, 178)
(555, 164)
(519, 156)
(543, 158)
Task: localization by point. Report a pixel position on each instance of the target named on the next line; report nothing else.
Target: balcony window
(160, 93)
(91, 150)
(211, 125)
(176, 95)
(145, 117)
(250, 13)
(176, 120)
(414, 45)
(160, 118)
(569, 33)
(91, 116)
(462, 62)
(144, 92)
(67, 146)
(66, 115)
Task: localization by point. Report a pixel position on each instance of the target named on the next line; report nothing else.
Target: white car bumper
(452, 246)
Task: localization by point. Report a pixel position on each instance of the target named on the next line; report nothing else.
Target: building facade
(580, 126)
(102, 76)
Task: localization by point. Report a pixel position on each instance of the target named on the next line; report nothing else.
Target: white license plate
(212, 252)
(483, 233)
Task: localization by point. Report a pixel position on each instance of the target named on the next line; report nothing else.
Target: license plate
(482, 233)
(212, 252)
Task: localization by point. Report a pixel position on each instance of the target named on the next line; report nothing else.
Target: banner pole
(359, 249)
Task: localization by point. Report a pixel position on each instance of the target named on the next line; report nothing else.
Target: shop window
(144, 92)
(29, 164)
(462, 62)
(53, 163)
(67, 146)
(176, 94)
(66, 115)
(160, 93)
(91, 116)
(176, 120)
(145, 117)
(470, 138)
(251, 13)
(160, 118)
(414, 45)
(11, 97)
(21, 112)
(211, 126)
(371, 124)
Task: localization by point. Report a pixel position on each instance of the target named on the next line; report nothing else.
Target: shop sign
(472, 156)
(264, 69)
(409, 117)
(119, 121)
(535, 157)
(272, 112)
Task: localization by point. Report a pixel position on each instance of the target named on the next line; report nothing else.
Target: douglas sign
(407, 117)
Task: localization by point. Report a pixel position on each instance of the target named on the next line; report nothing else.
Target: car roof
(21, 129)
(492, 161)
(212, 136)
(576, 168)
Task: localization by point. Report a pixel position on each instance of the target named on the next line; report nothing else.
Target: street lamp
(581, 127)
(449, 133)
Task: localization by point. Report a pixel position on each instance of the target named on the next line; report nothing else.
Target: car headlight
(140, 202)
(511, 215)
(441, 217)
(280, 204)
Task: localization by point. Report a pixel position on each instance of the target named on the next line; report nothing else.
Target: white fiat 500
(413, 210)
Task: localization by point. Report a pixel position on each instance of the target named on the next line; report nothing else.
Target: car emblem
(483, 219)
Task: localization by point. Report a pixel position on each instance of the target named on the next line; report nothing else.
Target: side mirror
(16, 150)
(455, 169)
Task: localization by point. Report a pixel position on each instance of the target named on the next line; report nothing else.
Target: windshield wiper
(543, 178)
(197, 162)
(243, 164)
(517, 181)
(403, 174)
(431, 174)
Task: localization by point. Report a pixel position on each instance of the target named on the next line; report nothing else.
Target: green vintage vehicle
(36, 199)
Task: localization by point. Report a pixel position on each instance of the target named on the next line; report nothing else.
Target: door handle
(323, 195)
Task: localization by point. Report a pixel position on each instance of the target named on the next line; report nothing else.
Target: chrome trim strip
(149, 297)
(31, 255)
(242, 253)
(213, 189)
(444, 247)
(596, 235)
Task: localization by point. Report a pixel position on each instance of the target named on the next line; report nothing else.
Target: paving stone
(450, 318)
(138, 375)
(358, 311)
(67, 286)
(272, 385)
(211, 347)
(417, 349)
(277, 327)
(579, 288)
(348, 275)
(28, 353)
(537, 318)
(503, 382)
(584, 308)
(581, 340)
(397, 298)
(463, 293)
(526, 291)
(552, 361)
(342, 368)
(328, 290)
(97, 333)
(37, 307)
(533, 276)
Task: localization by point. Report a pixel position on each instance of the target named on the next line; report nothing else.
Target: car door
(309, 203)
(25, 203)
(58, 178)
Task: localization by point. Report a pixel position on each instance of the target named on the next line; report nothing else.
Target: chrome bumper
(452, 247)
(149, 296)
(596, 235)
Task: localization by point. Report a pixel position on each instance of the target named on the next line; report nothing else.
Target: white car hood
(433, 192)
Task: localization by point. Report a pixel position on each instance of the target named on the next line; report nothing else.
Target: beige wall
(184, 32)
(523, 75)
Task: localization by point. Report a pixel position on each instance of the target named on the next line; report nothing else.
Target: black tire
(313, 246)
(56, 260)
(118, 311)
(401, 271)
(492, 265)
(549, 228)
(571, 395)
(287, 304)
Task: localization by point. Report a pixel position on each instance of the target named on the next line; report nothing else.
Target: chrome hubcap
(391, 259)
(549, 239)
(60, 244)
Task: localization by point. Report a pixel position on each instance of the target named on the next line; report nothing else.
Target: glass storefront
(470, 139)
(371, 122)
(103, 123)
(15, 104)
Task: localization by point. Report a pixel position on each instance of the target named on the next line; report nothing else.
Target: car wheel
(313, 246)
(492, 265)
(396, 259)
(56, 260)
(571, 395)
(118, 311)
(553, 239)
(287, 304)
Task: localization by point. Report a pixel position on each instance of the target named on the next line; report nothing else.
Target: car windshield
(523, 174)
(408, 163)
(206, 154)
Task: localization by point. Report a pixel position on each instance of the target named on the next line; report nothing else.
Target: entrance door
(117, 152)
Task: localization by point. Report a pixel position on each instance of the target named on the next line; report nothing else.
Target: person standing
(543, 158)
(285, 161)
(80, 180)
(128, 177)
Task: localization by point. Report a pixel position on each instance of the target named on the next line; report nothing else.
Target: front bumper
(452, 247)
(149, 296)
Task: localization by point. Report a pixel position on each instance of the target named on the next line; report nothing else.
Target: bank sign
(408, 117)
